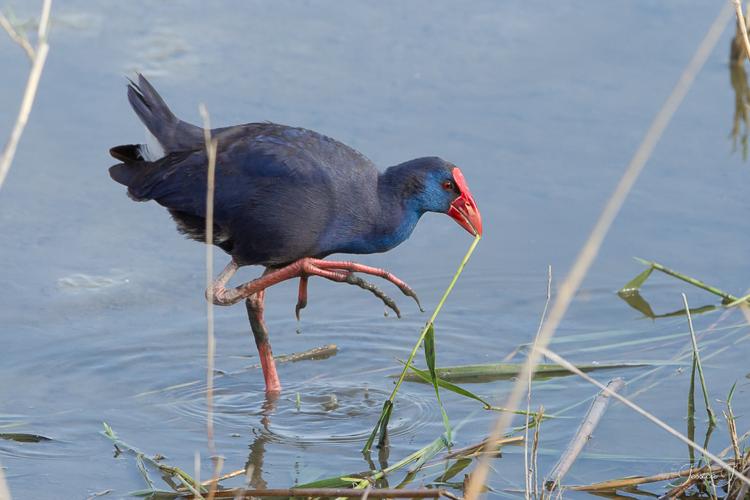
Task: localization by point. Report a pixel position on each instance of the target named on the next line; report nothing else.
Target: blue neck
(386, 235)
(395, 215)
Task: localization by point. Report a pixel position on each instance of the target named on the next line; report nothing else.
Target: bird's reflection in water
(254, 464)
(263, 434)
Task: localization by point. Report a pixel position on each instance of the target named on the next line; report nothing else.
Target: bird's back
(280, 192)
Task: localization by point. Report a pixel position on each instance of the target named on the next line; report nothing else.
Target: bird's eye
(448, 185)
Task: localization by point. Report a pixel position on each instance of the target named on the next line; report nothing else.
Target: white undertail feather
(151, 150)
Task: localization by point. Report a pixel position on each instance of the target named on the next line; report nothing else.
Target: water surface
(540, 104)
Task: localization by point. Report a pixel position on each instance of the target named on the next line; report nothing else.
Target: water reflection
(254, 464)
(634, 299)
(738, 78)
(274, 406)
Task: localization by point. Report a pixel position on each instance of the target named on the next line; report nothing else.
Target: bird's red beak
(464, 209)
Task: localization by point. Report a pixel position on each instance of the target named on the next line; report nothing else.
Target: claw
(411, 293)
(301, 296)
(362, 283)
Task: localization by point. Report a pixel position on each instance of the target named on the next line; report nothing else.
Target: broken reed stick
(229, 475)
(333, 492)
(583, 434)
(316, 353)
(656, 478)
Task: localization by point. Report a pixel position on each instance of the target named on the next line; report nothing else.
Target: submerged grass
(507, 371)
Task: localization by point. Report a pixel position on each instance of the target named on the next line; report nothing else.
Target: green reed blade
(379, 426)
(726, 297)
(635, 284)
(429, 353)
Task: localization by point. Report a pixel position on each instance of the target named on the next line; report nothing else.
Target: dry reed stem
(742, 493)
(583, 434)
(32, 84)
(474, 449)
(211, 147)
(535, 449)
(743, 26)
(745, 312)
(4, 490)
(588, 253)
(635, 481)
(732, 427)
(228, 475)
(708, 455)
(678, 490)
(213, 486)
(735, 443)
(528, 470)
(17, 37)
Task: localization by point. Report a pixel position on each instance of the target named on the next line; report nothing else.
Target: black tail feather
(127, 153)
(172, 133)
(141, 177)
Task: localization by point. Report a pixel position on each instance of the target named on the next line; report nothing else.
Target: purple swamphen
(285, 198)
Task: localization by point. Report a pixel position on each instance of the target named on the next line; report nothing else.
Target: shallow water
(542, 106)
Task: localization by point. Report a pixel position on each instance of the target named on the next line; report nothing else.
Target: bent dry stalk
(382, 424)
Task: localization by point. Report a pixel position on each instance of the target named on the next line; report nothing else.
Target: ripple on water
(324, 413)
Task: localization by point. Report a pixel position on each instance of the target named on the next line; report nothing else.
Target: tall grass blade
(429, 353)
(697, 359)
(425, 376)
(691, 414)
(379, 427)
(428, 378)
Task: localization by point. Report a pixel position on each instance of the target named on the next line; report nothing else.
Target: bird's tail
(144, 178)
(172, 133)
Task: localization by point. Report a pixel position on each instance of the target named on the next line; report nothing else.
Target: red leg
(254, 294)
(255, 306)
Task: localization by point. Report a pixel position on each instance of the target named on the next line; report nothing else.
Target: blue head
(431, 184)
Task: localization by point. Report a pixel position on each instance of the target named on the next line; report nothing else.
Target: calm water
(541, 104)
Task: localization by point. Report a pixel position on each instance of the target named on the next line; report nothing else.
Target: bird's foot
(340, 271)
(354, 267)
(345, 277)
